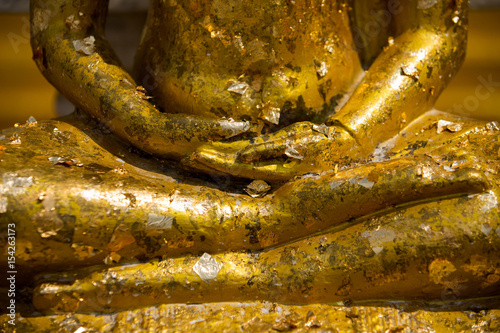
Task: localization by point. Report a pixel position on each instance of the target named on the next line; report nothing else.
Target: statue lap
(61, 180)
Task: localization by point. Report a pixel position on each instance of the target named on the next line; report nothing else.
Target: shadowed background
(24, 92)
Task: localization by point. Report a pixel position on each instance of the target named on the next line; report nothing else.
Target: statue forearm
(406, 79)
(71, 51)
(404, 82)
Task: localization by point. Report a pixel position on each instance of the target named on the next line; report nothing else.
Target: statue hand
(297, 149)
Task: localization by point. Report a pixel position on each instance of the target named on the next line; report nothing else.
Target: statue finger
(215, 161)
(262, 151)
(294, 147)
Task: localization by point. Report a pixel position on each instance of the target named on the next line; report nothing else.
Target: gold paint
(372, 207)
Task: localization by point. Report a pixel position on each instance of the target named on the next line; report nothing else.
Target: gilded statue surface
(277, 163)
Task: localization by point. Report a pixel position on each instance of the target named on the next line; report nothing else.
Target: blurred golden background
(475, 91)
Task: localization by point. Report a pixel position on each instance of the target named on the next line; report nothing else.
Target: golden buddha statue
(266, 151)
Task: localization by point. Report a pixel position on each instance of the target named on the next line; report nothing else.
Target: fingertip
(474, 178)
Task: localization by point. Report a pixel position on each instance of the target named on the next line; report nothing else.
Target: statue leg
(437, 250)
(128, 207)
(431, 252)
(73, 203)
(73, 196)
